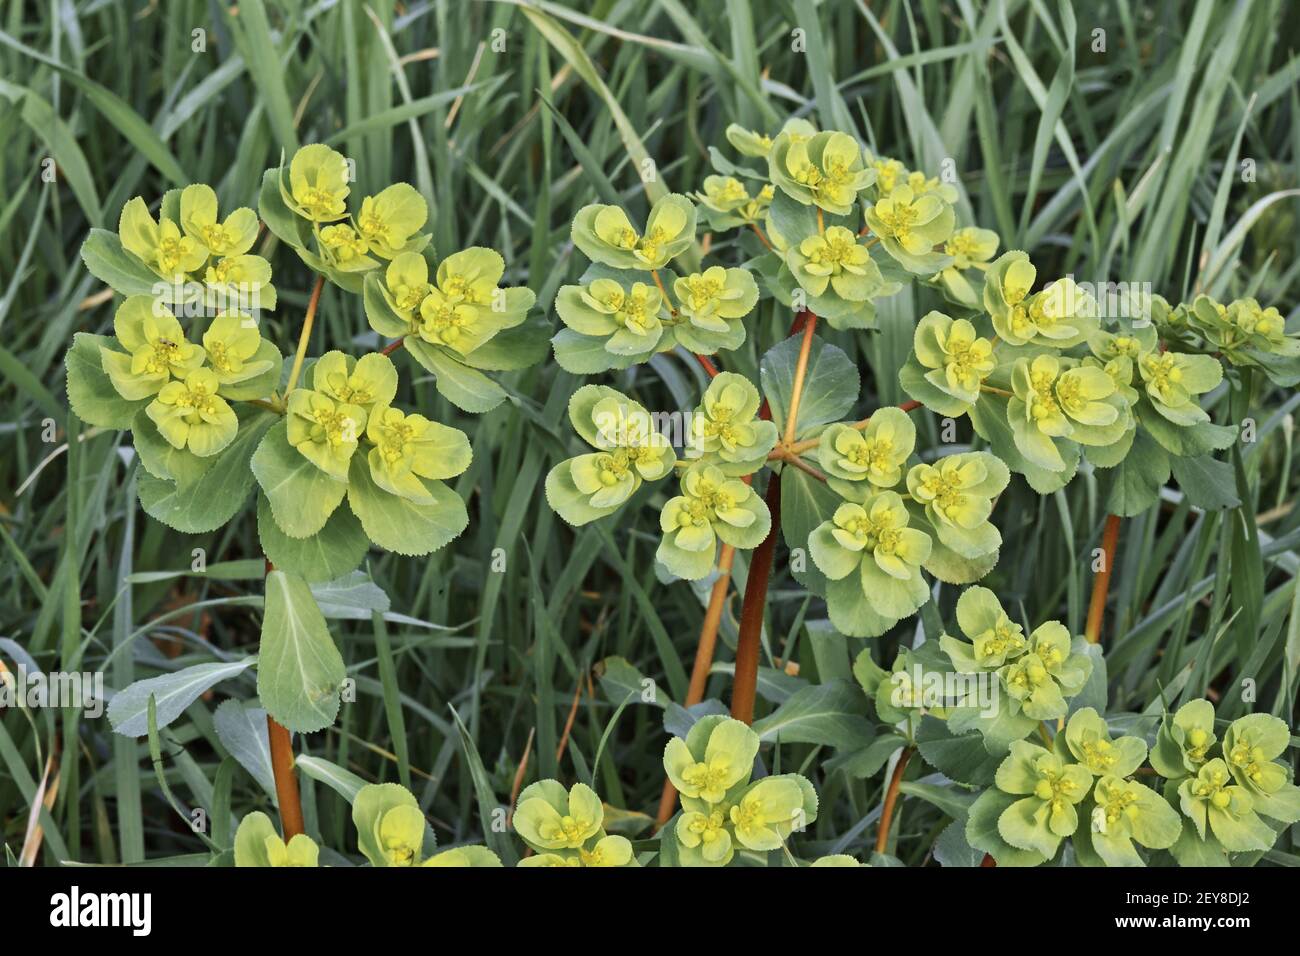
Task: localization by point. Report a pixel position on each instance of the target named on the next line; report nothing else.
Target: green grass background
(1123, 164)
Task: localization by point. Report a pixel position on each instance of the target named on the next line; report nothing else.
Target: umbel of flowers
(724, 809)
(338, 457)
(1206, 802)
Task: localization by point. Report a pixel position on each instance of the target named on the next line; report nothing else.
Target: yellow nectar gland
(899, 219)
(1249, 759)
(1198, 742)
(343, 242)
(732, 190)
(634, 311)
(710, 777)
(1162, 370)
(701, 290)
(220, 358)
(374, 228)
(836, 178)
(408, 297)
(217, 238)
(159, 356)
(837, 248)
(874, 454)
(447, 323)
(650, 243)
(1054, 787)
(613, 466)
(1212, 788)
(399, 852)
(944, 487)
(172, 251)
(1006, 637)
(872, 534)
(332, 427)
(1127, 346)
(1099, 754)
(198, 398)
(705, 499)
(395, 438)
(1042, 404)
(318, 203)
(709, 828)
(1120, 803)
(568, 829)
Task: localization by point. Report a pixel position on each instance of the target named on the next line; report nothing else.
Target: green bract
(258, 844)
(1088, 739)
(727, 202)
(949, 363)
(994, 637)
(628, 321)
(387, 222)
(1040, 680)
(605, 234)
(391, 831)
(410, 448)
(1060, 316)
(1055, 400)
(324, 430)
(191, 415)
(726, 427)
(160, 245)
(1126, 812)
(957, 493)
(712, 303)
(455, 321)
(1050, 789)
(712, 506)
(630, 449)
(317, 187)
(722, 811)
(969, 248)
(1244, 332)
(1173, 380)
(1185, 740)
(1217, 807)
(233, 236)
(1251, 747)
(565, 828)
(825, 170)
(156, 349)
(873, 560)
(910, 224)
(875, 453)
(835, 259)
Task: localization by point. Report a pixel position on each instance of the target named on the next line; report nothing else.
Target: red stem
(745, 683)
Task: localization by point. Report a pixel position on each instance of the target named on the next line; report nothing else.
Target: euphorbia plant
(339, 459)
(1049, 381)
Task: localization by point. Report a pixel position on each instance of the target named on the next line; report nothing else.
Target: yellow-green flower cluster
(189, 386)
(1037, 672)
(726, 430)
(258, 844)
(629, 450)
(565, 828)
(1230, 790)
(712, 506)
(825, 170)
(350, 403)
(316, 187)
(189, 244)
(458, 309)
(723, 812)
(392, 832)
